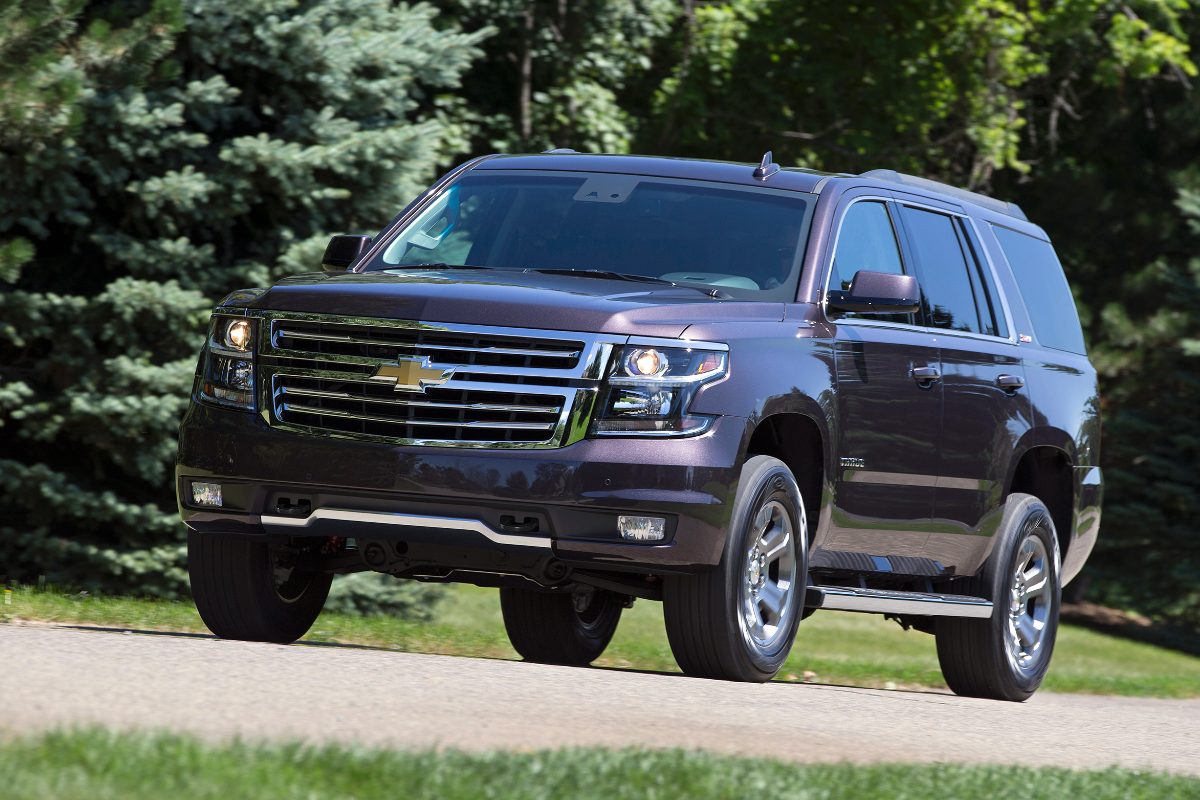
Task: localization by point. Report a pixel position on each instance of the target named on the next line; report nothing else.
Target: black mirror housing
(877, 293)
(343, 251)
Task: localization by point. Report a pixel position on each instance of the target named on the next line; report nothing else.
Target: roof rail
(991, 203)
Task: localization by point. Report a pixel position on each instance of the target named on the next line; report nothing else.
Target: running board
(886, 601)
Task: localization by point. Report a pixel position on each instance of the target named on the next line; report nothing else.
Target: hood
(511, 299)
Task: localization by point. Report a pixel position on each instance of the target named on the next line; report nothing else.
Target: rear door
(889, 418)
(986, 406)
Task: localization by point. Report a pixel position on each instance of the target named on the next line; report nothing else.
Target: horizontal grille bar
(288, 333)
(328, 412)
(475, 348)
(516, 409)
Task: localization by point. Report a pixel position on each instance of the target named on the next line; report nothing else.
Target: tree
(560, 73)
(188, 151)
(942, 89)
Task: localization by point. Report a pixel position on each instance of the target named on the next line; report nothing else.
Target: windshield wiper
(603, 273)
(714, 292)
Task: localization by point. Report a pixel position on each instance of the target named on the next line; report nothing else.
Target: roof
(658, 166)
(793, 178)
(925, 184)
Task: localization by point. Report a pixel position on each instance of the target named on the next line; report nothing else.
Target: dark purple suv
(748, 392)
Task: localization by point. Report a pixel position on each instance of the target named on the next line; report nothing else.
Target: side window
(990, 311)
(867, 241)
(1044, 289)
(948, 293)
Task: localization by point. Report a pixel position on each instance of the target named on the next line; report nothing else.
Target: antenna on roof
(558, 150)
(766, 168)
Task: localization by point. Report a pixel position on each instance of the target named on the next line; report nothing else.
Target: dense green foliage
(99, 764)
(155, 155)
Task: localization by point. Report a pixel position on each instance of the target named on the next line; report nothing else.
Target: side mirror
(342, 251)
(877, 293)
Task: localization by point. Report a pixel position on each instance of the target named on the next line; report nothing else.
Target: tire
(722, 623)
(1006, 656)
(240, 596)
(560, 628)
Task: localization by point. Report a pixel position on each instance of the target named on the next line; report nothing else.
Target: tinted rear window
(1044, 289)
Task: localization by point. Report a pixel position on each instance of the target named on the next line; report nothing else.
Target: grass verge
(832, 647)
(96, 765)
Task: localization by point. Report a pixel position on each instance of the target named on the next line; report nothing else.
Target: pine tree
(175, 156)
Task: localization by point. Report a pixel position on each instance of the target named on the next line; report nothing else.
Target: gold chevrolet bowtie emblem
(412, 374)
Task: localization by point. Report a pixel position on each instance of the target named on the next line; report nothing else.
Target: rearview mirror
(877, 293)
(342, 251)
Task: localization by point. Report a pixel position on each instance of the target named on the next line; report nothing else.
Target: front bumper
(574, 494)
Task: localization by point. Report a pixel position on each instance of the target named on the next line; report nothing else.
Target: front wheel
(250, 590)
(559, 627)
(738, 621)
(1006, 656)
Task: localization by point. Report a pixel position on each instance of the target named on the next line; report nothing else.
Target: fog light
(206, 494)
(642, 529)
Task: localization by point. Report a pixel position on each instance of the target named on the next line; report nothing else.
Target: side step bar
(886, 601)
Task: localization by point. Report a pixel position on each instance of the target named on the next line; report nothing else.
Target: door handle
(925, 376)
(1010, 383)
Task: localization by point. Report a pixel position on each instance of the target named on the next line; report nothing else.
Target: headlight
(650, 388)
(228, 376)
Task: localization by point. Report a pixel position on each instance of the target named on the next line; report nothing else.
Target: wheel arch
(1047, 472)
(799, 441)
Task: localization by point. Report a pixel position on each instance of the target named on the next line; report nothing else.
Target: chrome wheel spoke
(778, 545)
(761, 521)
(773, 597)
(1027, 632)
(1035, 590)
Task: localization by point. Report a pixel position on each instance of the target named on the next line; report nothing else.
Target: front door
(889, 403)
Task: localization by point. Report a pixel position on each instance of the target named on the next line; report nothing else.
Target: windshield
(745, 241)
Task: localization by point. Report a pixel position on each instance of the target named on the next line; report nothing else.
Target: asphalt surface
(52, 677)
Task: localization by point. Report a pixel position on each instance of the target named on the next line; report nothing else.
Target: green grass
(95, 765)
(832, 647)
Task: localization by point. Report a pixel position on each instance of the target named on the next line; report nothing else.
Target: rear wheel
(1006, 656)
(738, 621)
(251, 590)
(560, 628)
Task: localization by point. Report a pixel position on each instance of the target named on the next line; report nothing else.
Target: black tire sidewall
(1026, 515)
(763, 479)
(233, 588)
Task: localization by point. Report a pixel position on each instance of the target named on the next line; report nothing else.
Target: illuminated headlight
(649, 389)
(227, 375)
(642, 529)
(206, 494)
(236, 334)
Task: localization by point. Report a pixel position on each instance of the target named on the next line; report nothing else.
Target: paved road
(55, 676)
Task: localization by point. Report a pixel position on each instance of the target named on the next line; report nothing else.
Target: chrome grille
(444, 346)
(508, 387)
